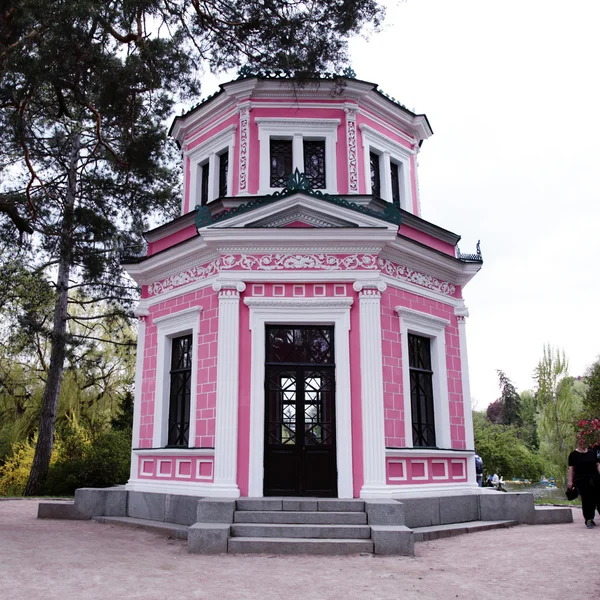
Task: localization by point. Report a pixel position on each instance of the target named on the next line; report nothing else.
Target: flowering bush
(589, 432)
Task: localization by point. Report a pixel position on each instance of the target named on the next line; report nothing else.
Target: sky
(512, 92)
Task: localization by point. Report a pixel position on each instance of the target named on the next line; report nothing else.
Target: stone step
(172, 530)
(435, 532)
(550, 515)
(271, 530)
(292, 517)
(300, 504)
(258, 545)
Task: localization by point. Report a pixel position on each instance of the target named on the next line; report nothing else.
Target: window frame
(428, 374)
(297, 130)
(175, 399)
(389, 152)
(169, 327)
(208, 153)
(434, 328)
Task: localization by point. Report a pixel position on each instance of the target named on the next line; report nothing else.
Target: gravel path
(45, 559)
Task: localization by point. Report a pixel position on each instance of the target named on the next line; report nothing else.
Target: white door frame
(297, 311)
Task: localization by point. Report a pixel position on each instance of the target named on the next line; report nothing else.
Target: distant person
(584, 474)
(479, 470)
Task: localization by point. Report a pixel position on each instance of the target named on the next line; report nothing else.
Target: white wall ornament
(409, 275)
(279, 262)
(184, 277)
(244, 138)
(352, 160)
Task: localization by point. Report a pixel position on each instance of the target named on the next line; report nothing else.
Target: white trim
(424, 462)
(142, 313)
(297, 130)
(186, 452)
(326, 311)
(228, 353)
(371, 387)
(206, 153)
(212, 469)
(178, 463)
(397, 461)
(142, 467)
(161, 461)
(461, 462)
(412, 321)
(183, 488)
(170, 326)
(389, 151)
(440, 461)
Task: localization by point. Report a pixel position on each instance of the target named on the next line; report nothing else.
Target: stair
(300, 526)
(171, 530)
(435, 532)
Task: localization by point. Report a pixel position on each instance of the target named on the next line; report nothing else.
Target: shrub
(100, 462)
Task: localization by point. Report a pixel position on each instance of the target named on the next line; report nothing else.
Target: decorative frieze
(280, 262)
(291, 262)
(409, 275)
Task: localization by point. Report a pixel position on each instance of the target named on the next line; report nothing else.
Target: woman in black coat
(584, 474)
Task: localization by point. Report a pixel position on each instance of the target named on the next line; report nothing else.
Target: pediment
(298, 210)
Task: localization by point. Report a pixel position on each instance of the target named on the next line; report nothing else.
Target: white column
(371, 373)
(386, 176)
(297, 153)
(244, 155)
(462, 313)
(351, 111)
(226, 425)
(141, 313)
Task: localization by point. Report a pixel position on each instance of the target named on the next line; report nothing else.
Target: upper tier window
(388, 164)
(209, 175)
(308, 145)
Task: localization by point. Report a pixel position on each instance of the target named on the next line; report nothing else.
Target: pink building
(302, 328)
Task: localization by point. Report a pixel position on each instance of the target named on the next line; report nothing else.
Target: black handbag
(571, 493)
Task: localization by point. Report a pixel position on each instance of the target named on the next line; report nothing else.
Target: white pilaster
(244, 109)
(226, 421)
(141, 313)
(371, 371)
(462, 313)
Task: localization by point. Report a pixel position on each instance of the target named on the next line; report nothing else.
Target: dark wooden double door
(300, 458)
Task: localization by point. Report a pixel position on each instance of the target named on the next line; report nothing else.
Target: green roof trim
(297, 183)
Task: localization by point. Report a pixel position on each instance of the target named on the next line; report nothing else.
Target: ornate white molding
(352, 158)
(367, 287)
(421, 318)
(279, 262)
(184, 277)
(461, 312)
(228, 288)
(244, 142)
(411, 276)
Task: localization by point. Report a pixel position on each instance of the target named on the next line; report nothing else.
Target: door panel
(300, 412)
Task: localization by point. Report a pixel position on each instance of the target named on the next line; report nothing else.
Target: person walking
(479, 469)
(584, 474)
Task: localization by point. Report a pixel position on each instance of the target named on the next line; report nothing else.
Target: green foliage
(511, 400)
(559, 399)
(99, 462)
(591, 401)
(528, 414)
(15, 470)
(503, 452)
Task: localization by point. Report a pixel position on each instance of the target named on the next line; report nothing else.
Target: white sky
(512, 92)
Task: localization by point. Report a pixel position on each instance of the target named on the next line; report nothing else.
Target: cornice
(429, 228)
(163, 231)
(341, 302)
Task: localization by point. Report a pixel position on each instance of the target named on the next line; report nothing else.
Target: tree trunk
(45, 441)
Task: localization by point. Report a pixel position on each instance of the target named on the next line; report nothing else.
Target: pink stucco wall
(423, 469)
(428, 240)
(206, 364)
(395, 431)
(171, 240)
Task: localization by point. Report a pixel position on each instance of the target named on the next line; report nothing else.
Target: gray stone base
(208, 538)
(59, 510)
(390, 539)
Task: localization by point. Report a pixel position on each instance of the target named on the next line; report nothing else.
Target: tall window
(223, 172)
(314, 163)
(395, 172)
(375, 174)
(204, 183)
(421, 390)
(180, 391)
(281, 162)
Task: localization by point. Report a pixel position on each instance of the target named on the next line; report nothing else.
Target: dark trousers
(589, 490)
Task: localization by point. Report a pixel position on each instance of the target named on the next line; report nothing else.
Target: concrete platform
(172, 530)
(260, 545)
(435, 532)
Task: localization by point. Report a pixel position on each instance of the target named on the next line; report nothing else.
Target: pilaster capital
(141, 312)
(351, 110)
(229, 288)
(461, 312)
(369, 288)
(244, 108)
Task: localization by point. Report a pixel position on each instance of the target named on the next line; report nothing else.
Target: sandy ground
(81, 559)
